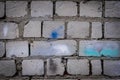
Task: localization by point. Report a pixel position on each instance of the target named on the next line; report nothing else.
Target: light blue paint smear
(91, 52)
(110, 52)
(56, 33)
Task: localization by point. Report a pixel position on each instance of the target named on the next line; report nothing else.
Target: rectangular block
(17, 49)
(96, 30)
(112, 68)
(8, 30)
(41, 8)
(66, 8)
(112, 9)
(16, 8)
(2, 9)
(33, 67)
(96, 67)
(2, 49)
(53, 29)
(58, 48)
(112, 30)
(91, 9)
(32, 29)
(7, 67)
(75, 67)
(99, 48)
(76, 29)
(55, 67)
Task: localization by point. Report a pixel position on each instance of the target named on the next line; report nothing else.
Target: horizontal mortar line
(52, 0)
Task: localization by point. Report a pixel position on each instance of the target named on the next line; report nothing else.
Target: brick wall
(60, 40)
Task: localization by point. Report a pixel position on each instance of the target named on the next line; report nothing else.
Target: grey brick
(2, 49)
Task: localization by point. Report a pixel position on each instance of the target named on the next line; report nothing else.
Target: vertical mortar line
(54, 8)
(4, 9)
(65, 31)
(42, 29)
(45, 68)
(65, 65)
(103, 26)
(102, 66)
(90, 30)
(29, 49)
(78, 8)
(77, 50)
(90, 68)
(29, 9)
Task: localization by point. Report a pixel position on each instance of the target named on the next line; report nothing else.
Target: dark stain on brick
(52, 66)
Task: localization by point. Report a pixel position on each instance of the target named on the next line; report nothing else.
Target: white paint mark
(5, 30)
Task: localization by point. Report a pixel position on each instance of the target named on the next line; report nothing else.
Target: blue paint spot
(91, 52)
(54, 34)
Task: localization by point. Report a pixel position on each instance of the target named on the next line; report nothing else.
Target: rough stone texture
(55, 67)
(53, 29)
(112, 30)
(41, 8)
(7, 67)
(8, 30)
(96, 30)
(32, 29)
(2, 49)
(112, 68)
(100, 79)
(99, 48)
(112, 9)
(17, 49)
(33, 67)
(16, 8)
(77, 29)
(2, 9)
(54, 79)
(96, 67)
(19, 78)
(58, 48)
(66, 8)
(91, 9)
(75, 67)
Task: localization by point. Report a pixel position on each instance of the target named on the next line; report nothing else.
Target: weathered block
(7, 67)
(41, 9)
(17, 49)
(32, 29)
(55, 67)
(66, 8)
(75, 67)
(2, 9)
(33, 67)
(76, 29)
(16, 8)
(2, 49)
(99, 48)
(8, 30)
(58, 48)
(91, 9)
(53, 29)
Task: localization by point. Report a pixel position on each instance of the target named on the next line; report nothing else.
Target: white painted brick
(75, 67)
(112, 30)
(91, 9)
(76, 29)
(7, 67)
(111, 68)
(96, 67)
(55, 67)
(32, 29)
(16, 8)
(8, 30)
(2, 9)
(17, 49)
(53, 29)
(96, 30)
(112, 9)
(99, 48)
(48, 48)
(66, 8)
(2, 49)
(41, 8)
(33, 67)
